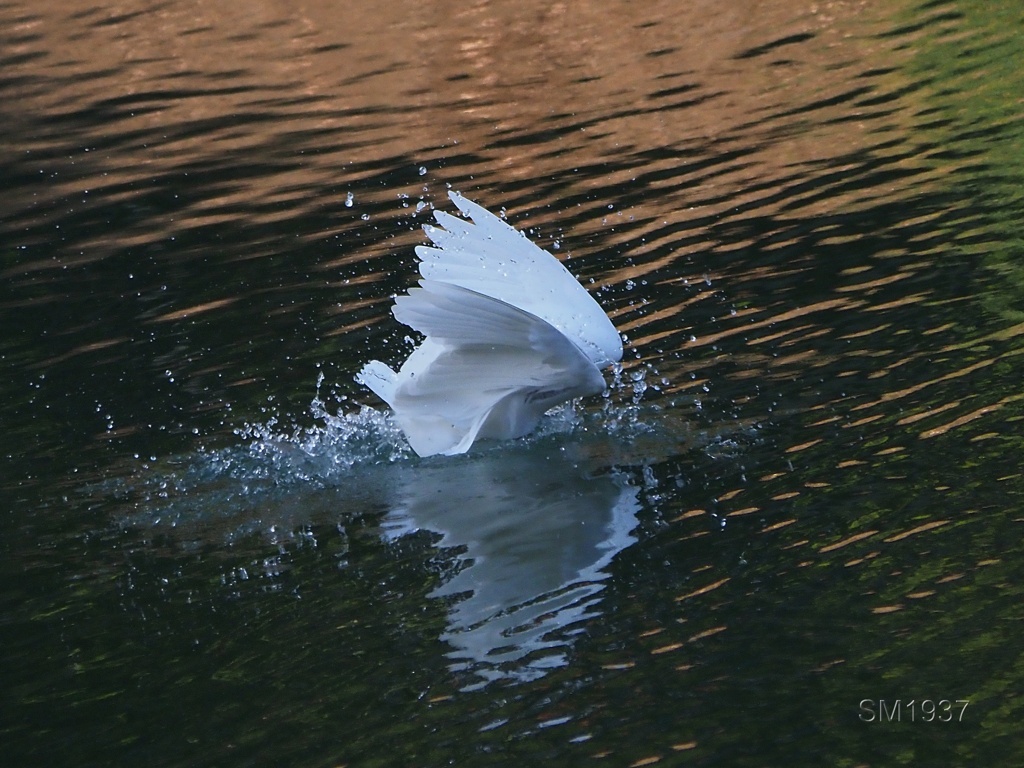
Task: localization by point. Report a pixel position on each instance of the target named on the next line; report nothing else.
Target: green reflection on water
(975, 74)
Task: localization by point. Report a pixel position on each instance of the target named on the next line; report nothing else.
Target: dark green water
(801, 503)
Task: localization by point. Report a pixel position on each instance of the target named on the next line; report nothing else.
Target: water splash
(334, 444)
(341, 441)
(260, 481)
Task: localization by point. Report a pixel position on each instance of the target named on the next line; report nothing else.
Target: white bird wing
(459, 315)
(491, 258)
(486, 369)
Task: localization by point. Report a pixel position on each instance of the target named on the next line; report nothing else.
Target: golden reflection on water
(527, 90)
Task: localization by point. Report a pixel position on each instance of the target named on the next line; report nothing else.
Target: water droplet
(423, 171)
(349, 200)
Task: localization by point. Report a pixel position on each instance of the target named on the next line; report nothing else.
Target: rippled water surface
(801, 497)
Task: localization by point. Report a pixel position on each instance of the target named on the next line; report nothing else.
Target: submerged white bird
(510, 334)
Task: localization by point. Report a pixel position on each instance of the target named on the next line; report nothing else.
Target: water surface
(803, 491)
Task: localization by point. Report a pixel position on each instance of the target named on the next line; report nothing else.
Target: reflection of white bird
(509, 333)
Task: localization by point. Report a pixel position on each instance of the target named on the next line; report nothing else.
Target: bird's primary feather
(492, 258)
